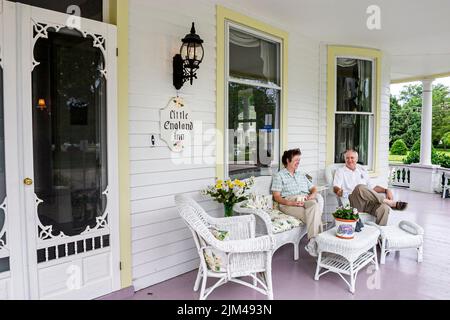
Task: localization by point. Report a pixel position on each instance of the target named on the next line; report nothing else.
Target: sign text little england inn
(176, 125)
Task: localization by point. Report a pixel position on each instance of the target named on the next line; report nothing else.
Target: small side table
(347, 257)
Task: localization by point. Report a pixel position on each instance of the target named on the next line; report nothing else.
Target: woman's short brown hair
(289, 155)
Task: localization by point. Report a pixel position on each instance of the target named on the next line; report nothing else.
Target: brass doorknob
(28, 181)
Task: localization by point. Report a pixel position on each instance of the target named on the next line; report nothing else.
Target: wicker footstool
(347, 257)
(407, 235)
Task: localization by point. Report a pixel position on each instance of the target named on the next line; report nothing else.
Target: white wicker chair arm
(240, 227)
(411, 227)
(231, 220)
(259, 244)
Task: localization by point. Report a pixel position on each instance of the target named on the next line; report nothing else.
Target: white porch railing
(400, 176)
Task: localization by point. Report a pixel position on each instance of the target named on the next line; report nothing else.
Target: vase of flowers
(229, 193)
(346, 219)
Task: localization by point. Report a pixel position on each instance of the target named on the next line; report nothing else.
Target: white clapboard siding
(148, 166)
(161, 252)
(165, 274)
(162, 246)
(159, 215)
(160, 240)
(163, 189)
(163, 263)
(148, 179)
(155, 229)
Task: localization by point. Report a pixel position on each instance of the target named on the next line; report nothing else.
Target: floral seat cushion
(280, 222)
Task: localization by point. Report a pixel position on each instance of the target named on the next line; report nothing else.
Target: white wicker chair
(245, 254)
(342, 201)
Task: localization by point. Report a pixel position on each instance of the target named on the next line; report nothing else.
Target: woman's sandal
(401, 205)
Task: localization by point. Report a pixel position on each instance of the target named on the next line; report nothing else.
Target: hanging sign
(176, 125)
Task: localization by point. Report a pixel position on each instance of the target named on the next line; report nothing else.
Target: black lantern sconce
(186, 63)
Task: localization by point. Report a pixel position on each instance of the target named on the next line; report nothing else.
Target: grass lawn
(396, 159)
(399, 159)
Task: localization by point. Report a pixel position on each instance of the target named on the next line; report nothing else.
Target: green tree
(405, 120)
(446, 140)
(441, 112)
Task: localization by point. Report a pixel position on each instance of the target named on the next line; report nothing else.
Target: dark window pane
(253, 58)
(41, 256)
(253, 130)
(352, 132)
(69, 131)
(89, 245)
(354, 85)
(62, 251)
(91, 9)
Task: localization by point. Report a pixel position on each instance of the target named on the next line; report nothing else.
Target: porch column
(425, 176)
(427, 125)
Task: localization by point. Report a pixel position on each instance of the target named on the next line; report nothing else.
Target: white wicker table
(347, 257)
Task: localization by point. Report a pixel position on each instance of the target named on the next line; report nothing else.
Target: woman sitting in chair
(296, 196)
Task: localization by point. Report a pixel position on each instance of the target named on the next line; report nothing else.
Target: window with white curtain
(253, 100)
(354, 113)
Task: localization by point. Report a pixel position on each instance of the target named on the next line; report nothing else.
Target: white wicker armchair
(244, 254)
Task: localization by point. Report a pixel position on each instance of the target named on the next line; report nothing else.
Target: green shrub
(446, 140)
(436, 158)
(399, 148)
(444, 160)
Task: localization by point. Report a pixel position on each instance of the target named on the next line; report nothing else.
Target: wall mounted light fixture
(186, 63)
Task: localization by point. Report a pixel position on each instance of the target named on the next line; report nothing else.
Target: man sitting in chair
(353, 181)
(296, 196)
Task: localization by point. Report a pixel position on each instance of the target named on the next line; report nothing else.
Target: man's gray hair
(351, 150)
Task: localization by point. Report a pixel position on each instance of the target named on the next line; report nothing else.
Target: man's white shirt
(347, 179)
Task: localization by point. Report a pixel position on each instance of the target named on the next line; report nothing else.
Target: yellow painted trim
(333, 52)
(119, 16)
(224, 14)
(423, 77)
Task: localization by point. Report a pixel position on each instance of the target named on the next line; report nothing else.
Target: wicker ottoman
(407, 235)
(347, 257)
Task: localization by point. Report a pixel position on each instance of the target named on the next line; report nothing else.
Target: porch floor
(400, 278)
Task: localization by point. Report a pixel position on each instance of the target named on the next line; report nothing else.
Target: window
(354, 109)
(253, 103)
(90, 9)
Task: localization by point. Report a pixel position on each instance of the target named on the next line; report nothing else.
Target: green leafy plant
(346, 213)
(399, 148)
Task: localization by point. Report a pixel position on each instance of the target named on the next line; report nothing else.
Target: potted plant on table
(346, 220)
(229, 193)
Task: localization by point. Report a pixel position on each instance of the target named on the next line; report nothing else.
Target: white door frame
(27, 16)
(15, 235)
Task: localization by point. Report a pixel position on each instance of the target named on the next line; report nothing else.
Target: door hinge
(117, 52)
(120, 266)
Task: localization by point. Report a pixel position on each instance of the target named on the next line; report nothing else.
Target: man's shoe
(401, 205)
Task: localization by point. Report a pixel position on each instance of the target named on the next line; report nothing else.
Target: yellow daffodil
(219, 186)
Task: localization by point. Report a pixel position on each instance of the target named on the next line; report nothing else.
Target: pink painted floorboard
(400, 278)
